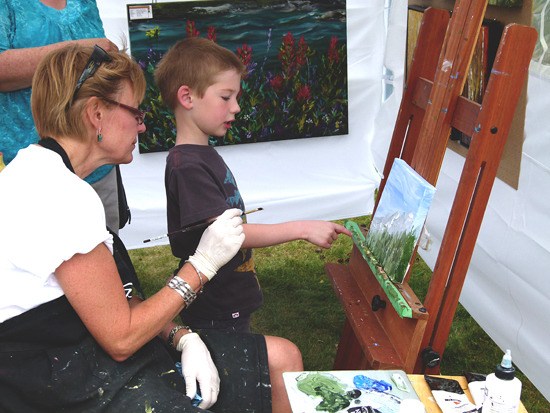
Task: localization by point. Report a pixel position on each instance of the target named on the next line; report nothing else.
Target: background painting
(295, 53)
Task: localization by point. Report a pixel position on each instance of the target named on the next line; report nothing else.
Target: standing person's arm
(18, 65)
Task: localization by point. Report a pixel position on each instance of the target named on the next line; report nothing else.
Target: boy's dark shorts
(242, 356)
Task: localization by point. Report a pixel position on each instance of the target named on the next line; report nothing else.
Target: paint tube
(449, 396)
(197, 399)
(476, 385)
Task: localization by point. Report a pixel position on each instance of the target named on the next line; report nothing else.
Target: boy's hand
(324, 233)
(219, 243)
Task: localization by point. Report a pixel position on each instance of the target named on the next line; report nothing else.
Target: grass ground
(301, 306)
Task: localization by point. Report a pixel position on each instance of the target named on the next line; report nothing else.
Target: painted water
(236, 23)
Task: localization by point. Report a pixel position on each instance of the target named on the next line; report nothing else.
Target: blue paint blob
(366, 383)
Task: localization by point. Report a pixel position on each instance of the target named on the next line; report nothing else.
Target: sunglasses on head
(97, 57)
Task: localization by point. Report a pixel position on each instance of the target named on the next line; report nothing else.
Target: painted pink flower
(333, 55)
(211, 33)
(301, 52)
(190, 29)
(245, 54)
(303, 94)
(277, 83)
(287, 55)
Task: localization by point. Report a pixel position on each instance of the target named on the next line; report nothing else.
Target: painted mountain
(399, 218)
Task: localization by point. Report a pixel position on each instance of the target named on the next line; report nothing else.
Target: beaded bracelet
(183, 289)
(173, 332)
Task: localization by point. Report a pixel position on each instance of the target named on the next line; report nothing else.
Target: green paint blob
(327, 387)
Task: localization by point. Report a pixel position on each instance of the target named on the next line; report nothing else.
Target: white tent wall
(334, 177)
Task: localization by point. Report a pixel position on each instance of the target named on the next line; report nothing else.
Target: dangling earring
(99, 135)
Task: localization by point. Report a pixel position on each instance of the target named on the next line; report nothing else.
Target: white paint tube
(449, 396)
(476, 385)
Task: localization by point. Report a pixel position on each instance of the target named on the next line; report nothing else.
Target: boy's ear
(184, 97)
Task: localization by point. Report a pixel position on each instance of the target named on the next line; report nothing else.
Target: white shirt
(47, 215)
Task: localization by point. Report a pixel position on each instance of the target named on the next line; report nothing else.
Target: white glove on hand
(219, 243)
(197, 365)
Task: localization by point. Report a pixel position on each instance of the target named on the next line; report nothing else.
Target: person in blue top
(29, 29)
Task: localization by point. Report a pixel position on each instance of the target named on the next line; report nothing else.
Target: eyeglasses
(97, 57)
(138, 114)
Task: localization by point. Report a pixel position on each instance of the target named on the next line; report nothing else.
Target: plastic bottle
(502, 388)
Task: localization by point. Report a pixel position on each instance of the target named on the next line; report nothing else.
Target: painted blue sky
(406, 191)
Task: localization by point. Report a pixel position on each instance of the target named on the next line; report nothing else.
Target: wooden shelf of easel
(380, 338)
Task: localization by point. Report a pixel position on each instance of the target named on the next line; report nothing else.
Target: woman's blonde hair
(194, 62)
(54, 110)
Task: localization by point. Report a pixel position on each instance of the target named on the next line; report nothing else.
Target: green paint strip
(398, 302)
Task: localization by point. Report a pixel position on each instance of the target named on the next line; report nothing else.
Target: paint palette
(348, 391)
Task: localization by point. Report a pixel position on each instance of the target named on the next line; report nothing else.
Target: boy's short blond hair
(194, 62)
(55, 111)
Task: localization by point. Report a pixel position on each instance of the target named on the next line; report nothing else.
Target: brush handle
(195, 226)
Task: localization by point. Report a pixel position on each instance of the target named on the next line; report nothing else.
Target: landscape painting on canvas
(399, 219)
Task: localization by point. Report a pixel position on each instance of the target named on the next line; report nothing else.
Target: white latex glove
(197, 366)
(219, 243)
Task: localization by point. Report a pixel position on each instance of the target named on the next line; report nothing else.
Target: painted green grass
(301, 306)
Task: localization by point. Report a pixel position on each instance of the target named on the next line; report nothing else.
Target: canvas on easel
(398, 220)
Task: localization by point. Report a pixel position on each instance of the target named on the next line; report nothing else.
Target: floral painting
(295, 53)
(399, 218)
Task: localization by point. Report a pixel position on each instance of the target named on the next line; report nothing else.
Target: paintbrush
(195, 226)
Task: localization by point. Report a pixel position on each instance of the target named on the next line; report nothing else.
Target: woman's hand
(219, 243)
(197, 366)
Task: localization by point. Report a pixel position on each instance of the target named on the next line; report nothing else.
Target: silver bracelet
(173, 332)
(183, 289)
(199, 274)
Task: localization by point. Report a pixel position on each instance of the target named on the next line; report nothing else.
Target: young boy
(200, 81)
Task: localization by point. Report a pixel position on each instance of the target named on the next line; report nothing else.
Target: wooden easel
(375, 336)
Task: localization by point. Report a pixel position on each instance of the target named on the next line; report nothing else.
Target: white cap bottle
(502, 388)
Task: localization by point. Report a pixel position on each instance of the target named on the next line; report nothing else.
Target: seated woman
(72, 336)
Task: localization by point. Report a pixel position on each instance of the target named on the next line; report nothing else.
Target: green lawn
(301, 306)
